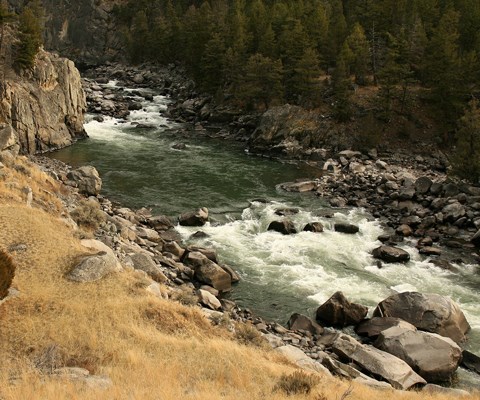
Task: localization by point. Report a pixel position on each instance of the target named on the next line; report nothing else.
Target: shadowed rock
(286, 227)
(391, 254)
(338, 311)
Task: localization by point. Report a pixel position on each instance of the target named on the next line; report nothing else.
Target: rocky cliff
(45, 110)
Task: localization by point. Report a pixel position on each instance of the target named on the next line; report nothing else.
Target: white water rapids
(281, 274)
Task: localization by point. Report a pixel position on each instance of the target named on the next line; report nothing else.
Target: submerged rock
(313, 227)
(285, 227)
(346, 228)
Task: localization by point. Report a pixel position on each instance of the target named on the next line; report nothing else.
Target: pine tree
(442, 65)
(358, 44)
(213, 63)
(30, 31)
(262, 82)
(341, 91)
(466, 158)
(305, 80)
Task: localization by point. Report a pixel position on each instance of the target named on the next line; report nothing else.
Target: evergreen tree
(262, 82)
(305, 80)
(341, 91)
(30, 31)
(443, 65)
(213, 63)
(360, 53)
(466, 158)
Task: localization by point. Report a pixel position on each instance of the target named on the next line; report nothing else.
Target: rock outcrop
(44, 111)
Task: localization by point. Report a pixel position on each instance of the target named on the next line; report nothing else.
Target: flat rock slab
(374, 326)
(435, 358)
(379, 363)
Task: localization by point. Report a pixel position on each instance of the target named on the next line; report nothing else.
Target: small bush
(185, 296)
(7, 272)
(248, 334)
(297, 383)
(88, 214)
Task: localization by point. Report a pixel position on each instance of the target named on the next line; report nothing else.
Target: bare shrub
(249, 335)
(88, 214)
(297, 383)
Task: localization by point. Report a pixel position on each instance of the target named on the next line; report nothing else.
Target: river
(280, 274)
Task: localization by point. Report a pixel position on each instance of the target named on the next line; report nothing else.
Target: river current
(280, 274)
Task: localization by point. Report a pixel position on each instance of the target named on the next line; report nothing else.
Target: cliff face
(47, 109)
(82, 30)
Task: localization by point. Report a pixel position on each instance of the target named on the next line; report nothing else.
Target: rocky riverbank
(128, 239)
(385, 353)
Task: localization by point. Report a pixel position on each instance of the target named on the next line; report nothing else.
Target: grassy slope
(150, 348)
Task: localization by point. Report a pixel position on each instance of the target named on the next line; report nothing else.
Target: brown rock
(7, 272)
(338, 311)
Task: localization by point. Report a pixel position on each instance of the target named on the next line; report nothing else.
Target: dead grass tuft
(7, 272)
(297, 383)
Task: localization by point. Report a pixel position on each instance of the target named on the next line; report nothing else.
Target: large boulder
(208, 272)
(346, 228)
(87, 179)
(391, 254)
(338, 311)
(144, 262)
(299, 322)
(453, 211)
(471, 361)
(435, 358)
(194, 218)
(285, 227)
(94, 267)
(377, 362)
(428, 312)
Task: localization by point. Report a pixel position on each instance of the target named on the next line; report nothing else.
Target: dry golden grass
(150, 348)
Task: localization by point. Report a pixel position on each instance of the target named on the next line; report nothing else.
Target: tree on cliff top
(30, 32)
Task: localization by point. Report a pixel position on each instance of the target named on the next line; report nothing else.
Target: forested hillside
(263, 50)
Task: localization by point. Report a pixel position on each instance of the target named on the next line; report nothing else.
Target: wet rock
(435, 358)
(428, 312)
(374, 326)
(404, 230)
(430, 251)
(287, 211)
(160, 223)
(302, 322)
(346, 228)
(476, 239)
(206, 271)
(194, 218)
(230, 271)
(285, 227)
(391, 254)
(179, 146)
(313, 227)
(471, 361)
(338, 311)
(87, 179)
(379, 363)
